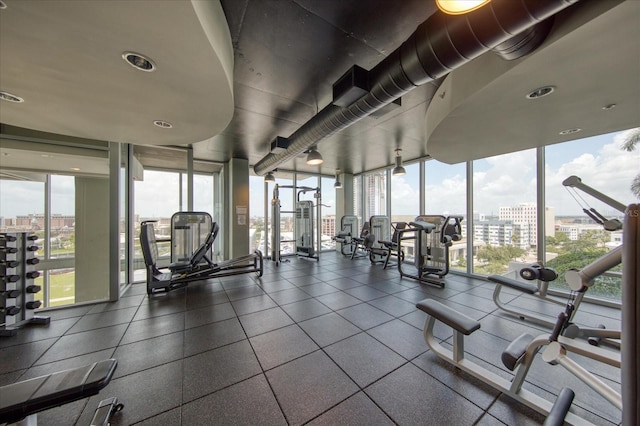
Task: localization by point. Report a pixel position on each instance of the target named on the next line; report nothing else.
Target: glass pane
(203, 194)
(257, 228)
(446, 194)
(405, 194)
(62, 239)
(328, 212)
(155, 198)
(22, 206)
(375, 194)
(357, 199)
(504, 219)
(573, 239)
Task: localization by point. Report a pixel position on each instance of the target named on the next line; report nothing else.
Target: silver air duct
(439, 45)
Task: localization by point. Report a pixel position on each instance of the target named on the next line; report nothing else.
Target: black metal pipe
(439, 45)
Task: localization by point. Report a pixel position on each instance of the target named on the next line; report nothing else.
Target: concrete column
(92, 239)
(344, 200)
(237, 208)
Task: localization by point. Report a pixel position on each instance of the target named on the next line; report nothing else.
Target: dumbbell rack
(17, 289)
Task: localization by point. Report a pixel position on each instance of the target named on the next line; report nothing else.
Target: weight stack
(17, 282)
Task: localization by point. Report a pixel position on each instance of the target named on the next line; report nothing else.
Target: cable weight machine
(303, 236)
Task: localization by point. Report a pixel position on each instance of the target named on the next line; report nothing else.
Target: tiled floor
(333, 342)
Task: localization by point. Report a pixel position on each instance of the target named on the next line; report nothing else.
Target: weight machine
(305, 244)
(578, 280)
(348, 231)
(432, 235)
(198, 265)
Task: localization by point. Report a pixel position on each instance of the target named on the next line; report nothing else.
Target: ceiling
(233, 75)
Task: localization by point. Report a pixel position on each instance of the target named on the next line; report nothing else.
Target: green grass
(62, 288)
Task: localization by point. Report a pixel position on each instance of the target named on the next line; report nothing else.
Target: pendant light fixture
(398, 170)
(337, 184)
(269, 177)
(314, 157)
(460, 7)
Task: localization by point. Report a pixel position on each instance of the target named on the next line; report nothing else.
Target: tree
(629, 144)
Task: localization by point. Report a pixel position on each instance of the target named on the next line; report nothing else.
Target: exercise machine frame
(432, 236)
(199, 266)
(518, 357)
(348, 229)
(302, 210)
(578, 281)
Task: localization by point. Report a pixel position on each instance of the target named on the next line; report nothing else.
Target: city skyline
(495, 177)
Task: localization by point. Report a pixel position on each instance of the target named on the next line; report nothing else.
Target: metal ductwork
(439, 45)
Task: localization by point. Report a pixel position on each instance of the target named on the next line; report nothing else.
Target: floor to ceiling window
(327, 220)
(445, 189)
(505, 211)
(375, 194)
(573, 239)
(258, 224)
(157, 198)
(405, 194)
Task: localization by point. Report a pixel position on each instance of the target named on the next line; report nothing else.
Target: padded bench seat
(19, 400)
(449, 316)
(517, 285)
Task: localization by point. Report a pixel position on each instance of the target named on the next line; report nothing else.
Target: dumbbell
(10, 294)
(10, 310)
(33, 304)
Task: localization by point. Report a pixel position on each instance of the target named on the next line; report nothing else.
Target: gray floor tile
(393, 305)
(216, 369)
(364, 359)
(83, 343)
(282, 345)
(245, 403)
(209, 314)
(410, 396)
(305, 309)
(211, 336)
(153, 327)
(328, 329)
(358, 410)
(338, 300)
(149, 353)
(144, 394)
(403, 338)
(253, 304)
(365, 293)
(263, 321)
(309, 386)
(364, 316)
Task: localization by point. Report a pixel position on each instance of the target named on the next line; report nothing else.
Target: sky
(502, 180)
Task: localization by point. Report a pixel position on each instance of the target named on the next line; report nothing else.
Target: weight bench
(517, 357)
(21, 401)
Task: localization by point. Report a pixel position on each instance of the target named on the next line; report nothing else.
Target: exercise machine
(344, 237)
(432, 235)
(380, 230)
(189, 231)
(198, 267)
(392, 247)
(21, 402)
(362, 243)
(518, 357)
(306, 245)
(578, 280)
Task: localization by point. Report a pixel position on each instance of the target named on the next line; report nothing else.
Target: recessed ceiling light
(609, 107)
(163, 124)
(540, 92)
(139, 61)
(75, 169)
(569, 131)
(6, 96)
